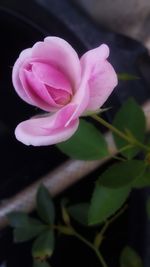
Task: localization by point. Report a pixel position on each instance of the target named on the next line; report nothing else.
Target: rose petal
(15, 76)
(82, 97)
(81, 100)
(37, 92)
(25, 135)
(51, 76)
(58, 52)
(100, 76)
(47, 130)
(101, 86)
(92, 58)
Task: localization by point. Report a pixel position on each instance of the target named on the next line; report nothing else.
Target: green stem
(110, 127)
(90, 245)
(121, 150)
(71, 231)
(130, 140)
(118, 158)
(125, 148)
(100, 257)
(111, 220)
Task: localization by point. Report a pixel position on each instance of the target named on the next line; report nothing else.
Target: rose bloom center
(47, 82)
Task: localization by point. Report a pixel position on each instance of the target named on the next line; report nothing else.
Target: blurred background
(131, 18)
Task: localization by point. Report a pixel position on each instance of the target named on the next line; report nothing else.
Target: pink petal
(37, 79)
(15, 76)
(82, 97)
(57, 84)
(61, 97)
(59, 53)
(99, 75)
(101, 86)
(91, 58)
(51, 76)
(37, 92)
(47, 130)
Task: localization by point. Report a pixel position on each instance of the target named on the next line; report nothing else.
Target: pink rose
(51, 76)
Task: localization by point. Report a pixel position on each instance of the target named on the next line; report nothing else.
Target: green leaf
(45, 207)
(26, 228)
(105, 202)
(130, 118)
(130, 258)
(79, 212)
(98, 111)
(148, 207)
(40, 264)
(122, 173)
(127, 77)
(86, 144)
(28, 231)
(143, 180)
(44, 245)
(17, 219)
